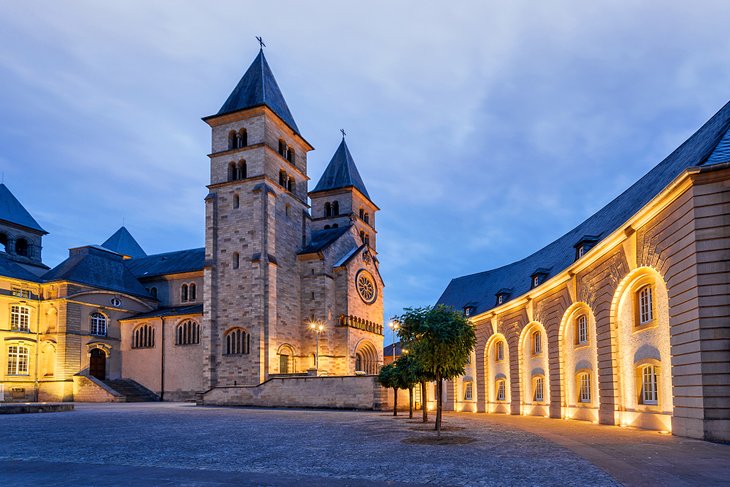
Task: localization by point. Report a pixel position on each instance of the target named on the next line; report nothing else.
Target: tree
(443, 340)
(387, 378)
(406, 376)
(410, 324)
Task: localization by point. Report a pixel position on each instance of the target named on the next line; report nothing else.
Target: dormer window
(503, 296)
(469, 310)
(538, 277)
(584, 245)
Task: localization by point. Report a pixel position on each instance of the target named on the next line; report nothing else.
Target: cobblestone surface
(322, 445)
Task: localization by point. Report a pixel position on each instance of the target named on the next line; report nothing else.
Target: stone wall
(90, 389)
(349, 392)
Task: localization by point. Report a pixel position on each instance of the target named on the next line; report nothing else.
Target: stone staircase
(132, 391)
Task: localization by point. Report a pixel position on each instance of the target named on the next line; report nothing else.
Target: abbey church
(287, 285)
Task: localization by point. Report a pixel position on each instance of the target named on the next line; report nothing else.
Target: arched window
(584, 387)
(500, 350)
(242, 138)
(98, 324)
(335, 208)
(282, 148)
(143, 337)
(187, 333)
(192, 291)
(232, 140)
(327, 227)
(366, 359)
(18, 359)
(536, 342)
(241, 170)
(21, 247)
(19, 318)
(184, 293)
(153, 292)
(327, 209)
(649, 386)
(238, 342)
(362, 236)
(232, 171)
(645, 305)
(282, 178)
(4, 242)
(581, 330)
(501, 390)
(235, 260)
(367, 218)
(537, 389)
(290, 156)
(335, 225)
(362, 214)
(236, 201)
(290, 184)
(358, 362)
(367, 239)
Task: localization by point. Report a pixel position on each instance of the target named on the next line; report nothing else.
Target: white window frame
(582, 329)
(468, 391)
(581, 251)
(535, 281)
(500, 351)
(501, 390)
(19, 318)
(18, 360)
(536, 342)
(500, 299)
(649, 386)
(584, 381)
(98, 324)
(646, 305)
(538, 394)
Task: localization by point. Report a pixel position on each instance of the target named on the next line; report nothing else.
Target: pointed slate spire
(258, 87)
(341, 172)
(13, 212)
(122, 242)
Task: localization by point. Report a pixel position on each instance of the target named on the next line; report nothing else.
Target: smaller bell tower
(340, 198)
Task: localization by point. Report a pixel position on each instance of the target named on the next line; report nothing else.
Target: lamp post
(317, 328)
(393, 325)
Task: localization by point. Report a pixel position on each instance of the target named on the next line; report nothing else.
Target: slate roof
(12, 211)
(709, 145)
(258, 87)
(168, 263)
(321, 239)
(122, 242)
(194, 309)
(8, 268)
(97, 267)
(341, 172)
(388, 350)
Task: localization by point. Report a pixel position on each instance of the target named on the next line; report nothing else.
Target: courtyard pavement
(180, 444)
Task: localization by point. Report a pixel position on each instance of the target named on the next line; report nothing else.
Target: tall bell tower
(255, 222)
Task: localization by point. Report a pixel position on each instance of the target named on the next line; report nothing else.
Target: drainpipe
(162, 367)
(36, 393)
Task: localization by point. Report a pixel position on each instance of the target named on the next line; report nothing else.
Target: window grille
(538, 396)
(646, 311)
(468, 391)
(18, 357)
(500, 351)
(649, 385)
(98, 324)
(582, 330)
(585, 387)
(19, 318)
(500, 390)
(536, 343)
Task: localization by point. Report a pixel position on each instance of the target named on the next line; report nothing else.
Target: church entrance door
(97, 364)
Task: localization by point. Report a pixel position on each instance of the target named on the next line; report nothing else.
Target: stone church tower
(272, 270)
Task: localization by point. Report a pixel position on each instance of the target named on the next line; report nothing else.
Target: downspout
(162, 366)
(36, 392)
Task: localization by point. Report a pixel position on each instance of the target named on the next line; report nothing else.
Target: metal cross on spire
(261, 43)
(343, 133)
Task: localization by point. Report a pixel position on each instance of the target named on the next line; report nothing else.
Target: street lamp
(393, 325)
(317, 328)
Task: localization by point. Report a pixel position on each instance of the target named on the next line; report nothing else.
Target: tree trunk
(395, 401)
(410, 402)
(424, 401)
(440, 391)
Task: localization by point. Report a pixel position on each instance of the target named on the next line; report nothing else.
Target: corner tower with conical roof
(340, 198)
(256, 221)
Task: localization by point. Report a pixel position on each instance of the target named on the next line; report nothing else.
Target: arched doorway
(97, 363)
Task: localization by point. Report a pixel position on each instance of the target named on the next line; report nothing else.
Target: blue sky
(484, 130)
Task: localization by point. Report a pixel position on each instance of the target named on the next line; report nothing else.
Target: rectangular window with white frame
(582, 326)
(19, 318)
(18, 359)
(585, 387)
(500, 390)
(539, 386)
(468, 391)
(646, 308)
(649, 389)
